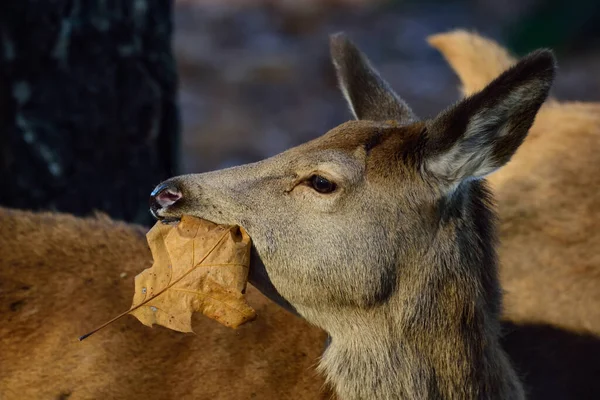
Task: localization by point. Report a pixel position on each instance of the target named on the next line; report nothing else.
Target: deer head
(384, 216)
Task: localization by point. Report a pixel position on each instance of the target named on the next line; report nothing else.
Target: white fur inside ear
(460, 162)
(343, 85)
(471, 155)
(344, 90)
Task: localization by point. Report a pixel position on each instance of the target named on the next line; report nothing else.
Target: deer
(381, 232)
(60, 275)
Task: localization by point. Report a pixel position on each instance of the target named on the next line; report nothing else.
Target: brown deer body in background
(59, 274)
(381, 232)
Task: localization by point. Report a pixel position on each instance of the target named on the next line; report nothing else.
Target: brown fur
(550, 230)
(60, 276)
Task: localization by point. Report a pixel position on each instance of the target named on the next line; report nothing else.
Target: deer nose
(163, 196)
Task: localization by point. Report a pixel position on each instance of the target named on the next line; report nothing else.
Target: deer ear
(368, 95)
(481, 133)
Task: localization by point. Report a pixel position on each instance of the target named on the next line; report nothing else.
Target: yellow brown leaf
(198, 266)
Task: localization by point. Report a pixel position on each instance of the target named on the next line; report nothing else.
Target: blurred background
(101, 100)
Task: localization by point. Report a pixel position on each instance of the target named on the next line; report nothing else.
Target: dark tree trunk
(88, 114)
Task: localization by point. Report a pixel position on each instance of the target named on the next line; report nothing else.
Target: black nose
(163, 196)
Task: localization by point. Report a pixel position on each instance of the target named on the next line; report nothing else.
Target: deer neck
(437, 336)
(381, 360)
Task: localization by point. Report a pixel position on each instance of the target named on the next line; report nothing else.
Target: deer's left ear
(481, 133)
(368, 95)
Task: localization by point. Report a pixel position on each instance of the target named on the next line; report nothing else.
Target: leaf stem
(170, 285)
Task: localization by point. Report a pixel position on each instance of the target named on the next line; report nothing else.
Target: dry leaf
(198, 266)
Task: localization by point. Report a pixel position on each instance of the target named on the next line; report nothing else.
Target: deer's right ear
(368, 95)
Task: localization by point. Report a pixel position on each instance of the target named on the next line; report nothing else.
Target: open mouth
(164, 220)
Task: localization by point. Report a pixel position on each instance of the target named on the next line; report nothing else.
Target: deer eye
(321, 184)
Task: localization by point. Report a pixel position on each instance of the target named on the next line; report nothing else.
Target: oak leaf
(198, 266)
